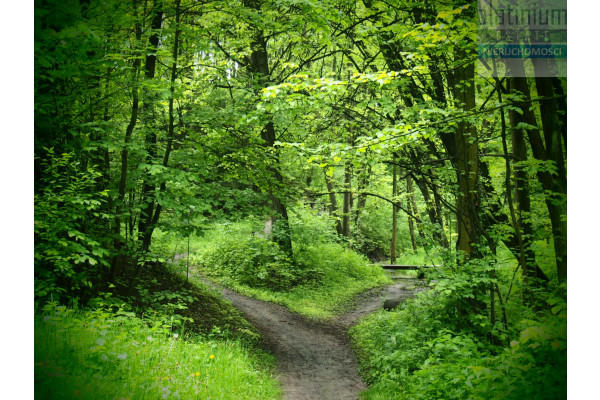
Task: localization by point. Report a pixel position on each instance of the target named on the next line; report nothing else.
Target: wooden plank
(406, 267)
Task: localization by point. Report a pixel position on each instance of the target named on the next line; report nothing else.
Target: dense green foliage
(322, 277)
(70, 251)
(290, 143)
(430, 348)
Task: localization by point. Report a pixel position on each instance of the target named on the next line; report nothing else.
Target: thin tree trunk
(347, 201)
(467, 161)
(515, 223)
(411, 207)
(148, 196)
(521, 181)
(363, 182)
(556, 201)
(415, 208)
(561, 103)
(259, 68)
(333, 207)
(394, 211)
(120, 203)
(440, 217)
(147, 239)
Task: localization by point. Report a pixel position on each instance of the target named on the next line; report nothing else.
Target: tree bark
(347, 201)
(149, 229)
(361, 201)
(556, 184)
(258, 67)
(521, 180)
(120, 203)
(467, 162)
(148, 197)
(394, 211)
(411, 205)
(333, 207)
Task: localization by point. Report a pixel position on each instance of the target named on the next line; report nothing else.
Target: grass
(166, 338)
(162, 292)
(105, 355)
(428, 349)
(324, 275)
(342, 274)
(323, 301)
(421, 257)
(333, 275)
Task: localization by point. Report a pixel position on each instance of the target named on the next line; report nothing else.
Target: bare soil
(314, 359)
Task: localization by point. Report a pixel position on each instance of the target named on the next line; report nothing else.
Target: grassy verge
(318, 282)
(428, 349)
(165, 338)
(336, 276)
(324, 301)
(102, 354)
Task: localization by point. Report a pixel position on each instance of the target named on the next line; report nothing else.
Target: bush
(421, 351)
(70, 252)
(333, 262)
(251, 260)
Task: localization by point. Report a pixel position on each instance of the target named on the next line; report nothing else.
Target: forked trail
(314, 359)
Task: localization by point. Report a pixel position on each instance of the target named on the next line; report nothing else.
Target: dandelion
(212, 356)
(197, 373)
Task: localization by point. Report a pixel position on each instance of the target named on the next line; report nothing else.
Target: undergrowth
(339, 274)
(430, 348)
(317, 281)
(160, 337)
(112, 354)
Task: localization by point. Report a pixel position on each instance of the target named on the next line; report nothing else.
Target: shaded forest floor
(314, 358)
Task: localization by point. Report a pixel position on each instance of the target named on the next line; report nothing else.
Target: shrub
(333, 262)
(69, 250)
(421, 351)
(251, 260)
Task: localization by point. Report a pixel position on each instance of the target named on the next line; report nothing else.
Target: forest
(193, 156)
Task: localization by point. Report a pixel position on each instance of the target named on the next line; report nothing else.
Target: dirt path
(314, 359)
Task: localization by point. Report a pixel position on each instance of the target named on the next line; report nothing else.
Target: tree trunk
(411, 206)
(333, 207)
(509, 199)
(363, 182)
(148, 197)
(467, 163)
(521, 180)
(120, 203)
(556, 183)
(347, 201)
(561, 103)
(394, 211)
(259, 68)
(149, 229)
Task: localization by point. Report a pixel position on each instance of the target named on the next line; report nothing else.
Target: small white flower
(149, 338)
(175, 335)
